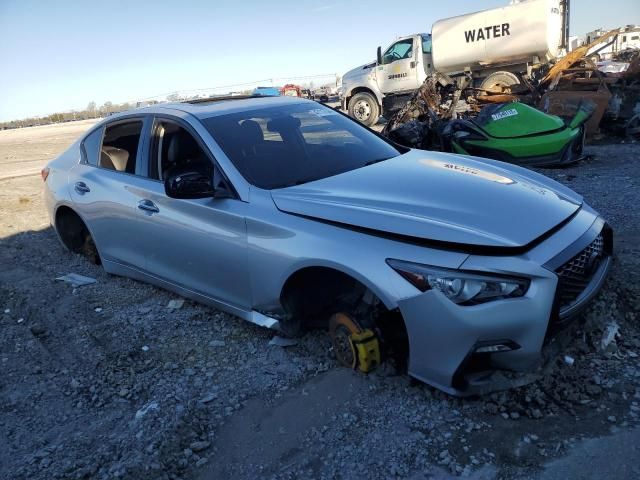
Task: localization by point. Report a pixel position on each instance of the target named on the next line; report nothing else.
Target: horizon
(71, 54)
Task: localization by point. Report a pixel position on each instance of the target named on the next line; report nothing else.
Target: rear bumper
(448, 343)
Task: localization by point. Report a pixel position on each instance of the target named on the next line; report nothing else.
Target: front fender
(388, 300)
(369, 85)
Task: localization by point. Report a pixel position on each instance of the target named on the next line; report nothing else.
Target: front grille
(575, 275)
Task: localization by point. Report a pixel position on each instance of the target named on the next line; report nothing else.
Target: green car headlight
(463, 288)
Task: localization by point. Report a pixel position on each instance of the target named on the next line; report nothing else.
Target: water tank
(511, 34)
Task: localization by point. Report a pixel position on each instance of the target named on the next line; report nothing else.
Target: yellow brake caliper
(354, 346)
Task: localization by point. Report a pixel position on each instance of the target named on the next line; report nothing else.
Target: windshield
(293, 144)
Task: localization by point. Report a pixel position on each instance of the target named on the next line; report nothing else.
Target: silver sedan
(290, 215)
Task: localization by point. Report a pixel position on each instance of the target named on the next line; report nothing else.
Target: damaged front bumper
(459, 349)
(560, 148)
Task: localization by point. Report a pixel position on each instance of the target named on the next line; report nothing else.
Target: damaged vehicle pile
(291, 215)
(447, 114)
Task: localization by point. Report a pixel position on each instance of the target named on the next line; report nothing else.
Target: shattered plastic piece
(98, 309)
(569, 360)
(7, 310)
(144, 410)
(145, 348)
(282, 341)
(609, 334)
(199, 445)
(175, 304)
(209, 398)
(76, 280)
(20, 320)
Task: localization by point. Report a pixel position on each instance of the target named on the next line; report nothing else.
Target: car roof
(205, 108)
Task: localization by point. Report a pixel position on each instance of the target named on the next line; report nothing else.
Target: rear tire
(90, 250)
(498, 82)
(364, 108)
(75, 235)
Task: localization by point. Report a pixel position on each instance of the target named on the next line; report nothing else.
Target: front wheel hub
(354, 346)
(362, 110)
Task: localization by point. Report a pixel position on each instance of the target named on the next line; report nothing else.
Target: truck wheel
(595, 58)
(364, 108)
(498, 82)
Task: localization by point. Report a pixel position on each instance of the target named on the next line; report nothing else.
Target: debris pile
(558, 89)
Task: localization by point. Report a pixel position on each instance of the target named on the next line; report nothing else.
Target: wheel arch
(65, 210)
(295, 273)
(348, 292)
(363, 89)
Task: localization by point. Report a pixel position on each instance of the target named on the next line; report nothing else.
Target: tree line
(91, 111)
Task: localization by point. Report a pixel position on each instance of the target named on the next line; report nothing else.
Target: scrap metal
(571, 80)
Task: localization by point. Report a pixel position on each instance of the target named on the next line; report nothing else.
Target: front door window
(398, 51)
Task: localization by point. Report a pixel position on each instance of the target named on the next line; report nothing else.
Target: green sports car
(518, 133)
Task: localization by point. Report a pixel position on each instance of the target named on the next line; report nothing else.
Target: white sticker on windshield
(512, 112)
(323, 112)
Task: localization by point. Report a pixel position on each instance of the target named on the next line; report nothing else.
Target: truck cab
(491, 50)
(373, 88)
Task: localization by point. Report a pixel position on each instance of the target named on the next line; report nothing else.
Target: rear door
(399, 71)
(102, 188)
(199, 244)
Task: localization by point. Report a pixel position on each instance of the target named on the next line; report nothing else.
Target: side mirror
(379, 56)
(189, 184)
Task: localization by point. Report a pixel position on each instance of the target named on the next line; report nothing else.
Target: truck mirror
(379, 57)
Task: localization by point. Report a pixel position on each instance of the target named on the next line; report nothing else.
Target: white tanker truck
(489, 49)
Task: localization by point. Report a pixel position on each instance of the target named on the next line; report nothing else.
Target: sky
(60, 55)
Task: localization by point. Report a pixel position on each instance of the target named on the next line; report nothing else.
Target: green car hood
(513, 120)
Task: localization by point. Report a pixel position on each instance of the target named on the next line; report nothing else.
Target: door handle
(148, 206)
(81, 188)
(412, 65)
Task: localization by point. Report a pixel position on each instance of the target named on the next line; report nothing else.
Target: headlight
(465, 288)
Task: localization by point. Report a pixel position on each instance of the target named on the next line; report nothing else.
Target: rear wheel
(500, 82)
(75, 235)
(364, 107)
(90, 250)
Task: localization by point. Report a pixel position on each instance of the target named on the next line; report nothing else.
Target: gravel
(118, 379)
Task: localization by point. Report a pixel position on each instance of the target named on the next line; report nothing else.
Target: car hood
(358, 71)
(438, 197)
(513, 120)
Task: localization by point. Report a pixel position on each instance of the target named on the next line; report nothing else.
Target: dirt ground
(106, 381)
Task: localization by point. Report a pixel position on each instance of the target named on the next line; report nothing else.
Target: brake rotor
(341, 328)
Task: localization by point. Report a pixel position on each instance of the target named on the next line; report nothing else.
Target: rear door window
(120, 146)
(91, 147)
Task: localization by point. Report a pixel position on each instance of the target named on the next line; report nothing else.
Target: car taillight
(44, 173)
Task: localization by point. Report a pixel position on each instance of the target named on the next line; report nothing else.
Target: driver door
(398, 71)
(195, 244)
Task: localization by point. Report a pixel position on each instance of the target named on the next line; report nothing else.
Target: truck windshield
(282, 146)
